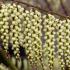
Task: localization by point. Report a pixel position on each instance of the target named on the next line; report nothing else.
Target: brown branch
(43, 10)
(46, 11)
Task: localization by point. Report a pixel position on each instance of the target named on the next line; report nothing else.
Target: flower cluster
(4, 26)
(21, 27)
(32, 35)
(49, 30)
(63, 43)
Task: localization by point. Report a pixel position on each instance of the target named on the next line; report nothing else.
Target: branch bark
(43, 10)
